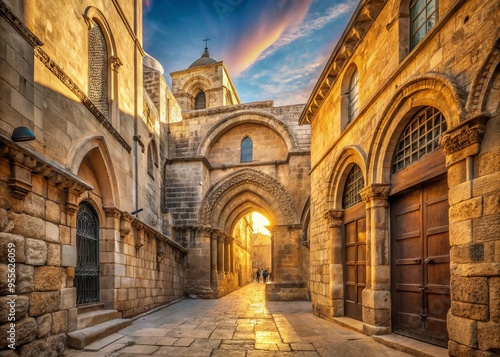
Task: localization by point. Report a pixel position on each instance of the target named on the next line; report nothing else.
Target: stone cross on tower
(206, 42)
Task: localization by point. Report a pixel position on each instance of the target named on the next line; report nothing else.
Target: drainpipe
(136, 115)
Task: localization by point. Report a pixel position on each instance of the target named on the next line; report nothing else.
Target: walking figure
(265, 274)
(258, 275)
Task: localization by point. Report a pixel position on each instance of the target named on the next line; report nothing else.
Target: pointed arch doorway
(87, 264)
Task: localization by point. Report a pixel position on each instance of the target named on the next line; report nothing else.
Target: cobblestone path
(241, 324)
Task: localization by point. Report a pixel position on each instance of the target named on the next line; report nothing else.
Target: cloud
(267, 28)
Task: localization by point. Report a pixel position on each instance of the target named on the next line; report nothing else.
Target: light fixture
(22, 133)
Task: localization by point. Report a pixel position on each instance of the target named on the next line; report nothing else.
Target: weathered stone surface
(25, 331)
(68, 256)
(57, 344)
(8, 353)
(44, 325)
(468, 209)
(494, 299)
(35, 349)
(70, 277)
(51, 232)
(52, 211)
(486, 184)
(59, 322)
(471, 311)
(64, 235)
(488, 335)
(468, 253)
(462, 330)
(53, 254)
(14, 307)
(487, 228)
(68, 298)
(44, 302)
(28, 226)
(11, 246)
(49, 278)
(492, 204)
(4, 286)
(34, 205)
(472, 290)
(5, 225)
(36, 252)
(461, 233)
(25, 280)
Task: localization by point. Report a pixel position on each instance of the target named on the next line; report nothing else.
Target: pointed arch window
(423, 16)
(353, 96)
(246, 150)
(152, 159)
(98, 69)
(353, 185)
(420, 137)
(200, 101)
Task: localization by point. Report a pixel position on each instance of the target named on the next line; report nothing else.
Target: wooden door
(421, 263)
(355, 261)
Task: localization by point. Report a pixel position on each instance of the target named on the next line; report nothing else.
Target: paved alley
(240, 324)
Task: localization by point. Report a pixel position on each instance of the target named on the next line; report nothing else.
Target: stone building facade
(405, 195)
(67, 231)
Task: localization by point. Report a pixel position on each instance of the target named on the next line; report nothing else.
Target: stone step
(91, 307)
(94, 317)
(84, 337)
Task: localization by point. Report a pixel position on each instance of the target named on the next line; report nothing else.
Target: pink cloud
(268, 28)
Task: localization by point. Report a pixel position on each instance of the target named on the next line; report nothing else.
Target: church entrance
(421, 263)
(87, 266)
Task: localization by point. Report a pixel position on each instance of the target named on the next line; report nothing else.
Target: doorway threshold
(411, 346)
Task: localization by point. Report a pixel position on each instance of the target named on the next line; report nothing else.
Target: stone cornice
(20, 27)
(228, 109)
(376, 191)
(64, 78)
(468, 133)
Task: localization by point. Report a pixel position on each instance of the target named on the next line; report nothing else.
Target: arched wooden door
(354, 245)
(419, 232)
(87, 246)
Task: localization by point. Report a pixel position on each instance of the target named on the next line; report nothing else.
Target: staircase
(94, 323)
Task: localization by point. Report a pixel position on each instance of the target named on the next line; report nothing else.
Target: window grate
(353, 186)
(419, 138)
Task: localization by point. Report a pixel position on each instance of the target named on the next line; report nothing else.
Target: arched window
(246, 150)
(200, 101)
(98, 69)
(353, 185)
(419, 138)
(423, 16)
(152, 158)
(353, 96)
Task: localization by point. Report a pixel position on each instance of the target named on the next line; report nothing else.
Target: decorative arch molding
(478, 95)
(105, 174)
(431, 89)
(92, 14)
(240, 206)
(197, 82)
(351, 155)
(246, 117)
(247, 180)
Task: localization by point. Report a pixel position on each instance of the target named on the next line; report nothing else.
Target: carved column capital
(334, 217)
(376, 191)
(468, 133)
(115, 63)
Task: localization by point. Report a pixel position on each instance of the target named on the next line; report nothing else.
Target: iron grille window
(353, 96)
(200, 101)
(422, 18)
(353, 186)
(419, 138)
(246, 150)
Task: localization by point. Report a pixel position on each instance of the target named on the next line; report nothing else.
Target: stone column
(474, 216)
(213, 258)
(220, 252)
(231, 254)
(226, 254)
(335, 226)
(377, 294)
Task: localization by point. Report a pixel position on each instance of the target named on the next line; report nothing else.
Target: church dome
(203, 60)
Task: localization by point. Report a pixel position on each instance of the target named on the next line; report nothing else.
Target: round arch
(96, 147)
(246, 117)
(222, 198)
(351, 155)
(433, 90)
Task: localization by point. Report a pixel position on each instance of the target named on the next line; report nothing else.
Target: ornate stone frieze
(272, 186)
(16, 22)
(115, 63)
(375, 191)
(334, 217)
(68, 82)
(469, 133)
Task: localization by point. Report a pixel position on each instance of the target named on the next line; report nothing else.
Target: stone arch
(431, 89)
(196, 83)
(96, 147)
(94, 14)
(351, 155)
(481, 85)
(247, 117)
(269, 191)
(239, 206)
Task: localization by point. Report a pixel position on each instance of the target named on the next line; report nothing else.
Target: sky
(273, 49)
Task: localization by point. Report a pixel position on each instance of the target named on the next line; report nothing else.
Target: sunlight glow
(259, 223)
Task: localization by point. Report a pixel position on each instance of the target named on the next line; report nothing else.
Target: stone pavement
(240, 324)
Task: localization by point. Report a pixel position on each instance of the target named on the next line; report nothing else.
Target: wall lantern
(22, 133)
